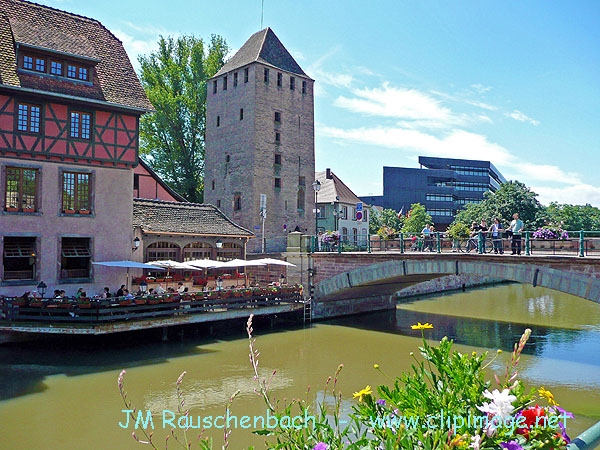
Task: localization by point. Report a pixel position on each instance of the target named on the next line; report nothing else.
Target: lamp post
(136, 244)
(42, 288)
(143, 286)
(317, 187)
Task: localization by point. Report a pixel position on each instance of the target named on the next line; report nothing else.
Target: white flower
(500, 405)
(475, 442)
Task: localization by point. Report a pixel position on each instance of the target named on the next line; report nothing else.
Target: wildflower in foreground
(320, 446)
(380, 402)
(511, 445)
(548, 396)
(500, 405)
(475, 442)
(421, 326)
(533, 417)
(360, 394)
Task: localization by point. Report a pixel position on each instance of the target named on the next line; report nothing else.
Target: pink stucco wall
(109, 226)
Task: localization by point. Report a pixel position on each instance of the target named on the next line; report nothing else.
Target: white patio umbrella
(168, 264)
(128, 265)
(205, 263)
(274, 262)
(240, 263)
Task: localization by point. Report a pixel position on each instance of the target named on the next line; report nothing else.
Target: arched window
(301, 199)
(196, 250)
(162, 250)
(355, 235)
(345, 234)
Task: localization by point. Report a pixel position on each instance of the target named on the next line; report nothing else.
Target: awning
(169, 264)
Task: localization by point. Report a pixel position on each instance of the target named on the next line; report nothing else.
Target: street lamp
(219, 243)
(317, 187)
(143, 286)
(42, 288)
(136, 244)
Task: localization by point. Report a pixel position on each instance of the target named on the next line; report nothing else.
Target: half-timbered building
(70, 103)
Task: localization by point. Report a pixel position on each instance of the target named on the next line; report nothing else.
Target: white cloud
(480, 88)
(415, 108)
(521, 117)
(577, 194)
(455, 144)
(466, 100)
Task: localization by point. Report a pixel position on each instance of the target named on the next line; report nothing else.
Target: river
(62, 393)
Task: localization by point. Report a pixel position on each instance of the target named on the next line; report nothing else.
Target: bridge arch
(570, 282)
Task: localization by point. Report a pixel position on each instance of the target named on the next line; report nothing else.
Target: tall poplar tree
(172, 138)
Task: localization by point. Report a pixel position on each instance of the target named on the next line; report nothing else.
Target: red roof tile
(48, 28)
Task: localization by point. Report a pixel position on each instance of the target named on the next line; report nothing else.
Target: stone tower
(260, 142)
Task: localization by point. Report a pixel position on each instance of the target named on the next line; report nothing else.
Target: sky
(513, 82)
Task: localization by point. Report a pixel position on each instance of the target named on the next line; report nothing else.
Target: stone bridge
(350, 283)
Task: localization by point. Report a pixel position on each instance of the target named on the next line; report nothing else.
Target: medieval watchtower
(260, 147)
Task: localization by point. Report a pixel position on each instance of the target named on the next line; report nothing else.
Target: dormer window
(56, 68)
(35, 63)
(28, 62)
(77, 72)
(40, 65)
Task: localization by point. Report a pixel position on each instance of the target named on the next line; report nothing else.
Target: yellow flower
(421, 326)
(375, 366)
(548, 396)
(360, 394)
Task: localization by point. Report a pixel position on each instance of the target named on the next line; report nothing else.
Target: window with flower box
(21, 189)
(76, 193)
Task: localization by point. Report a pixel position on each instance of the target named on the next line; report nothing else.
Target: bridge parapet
(336, 273)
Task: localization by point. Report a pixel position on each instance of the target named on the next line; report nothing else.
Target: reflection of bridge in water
(350, 283)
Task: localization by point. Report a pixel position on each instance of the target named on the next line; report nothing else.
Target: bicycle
(472, 243)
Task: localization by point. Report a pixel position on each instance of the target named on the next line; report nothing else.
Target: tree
(175, 80)
(572, 217)
(512, 197)
(386, 218)
(417, 219)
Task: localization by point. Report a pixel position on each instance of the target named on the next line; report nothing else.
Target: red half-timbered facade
(70, 104)
(67, 133)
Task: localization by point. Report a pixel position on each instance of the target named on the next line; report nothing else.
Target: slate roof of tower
(48, 29)
(264, 47)
(160, 216)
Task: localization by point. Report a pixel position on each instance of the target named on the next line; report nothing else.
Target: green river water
(62, 394)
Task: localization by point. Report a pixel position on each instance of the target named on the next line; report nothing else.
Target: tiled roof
(334, 190)
(191, 218)
(265, 47)
(53, 30)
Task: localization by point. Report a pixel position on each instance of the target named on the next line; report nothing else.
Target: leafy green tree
(175, 80)
(417, 219)
(512, 197)
(572, 217)
(386, 218)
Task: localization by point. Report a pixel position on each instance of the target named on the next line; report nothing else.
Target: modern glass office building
(443, 185)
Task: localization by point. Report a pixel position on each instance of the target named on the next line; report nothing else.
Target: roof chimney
(328, 174)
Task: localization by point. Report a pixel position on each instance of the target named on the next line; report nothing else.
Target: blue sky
(514, 82)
